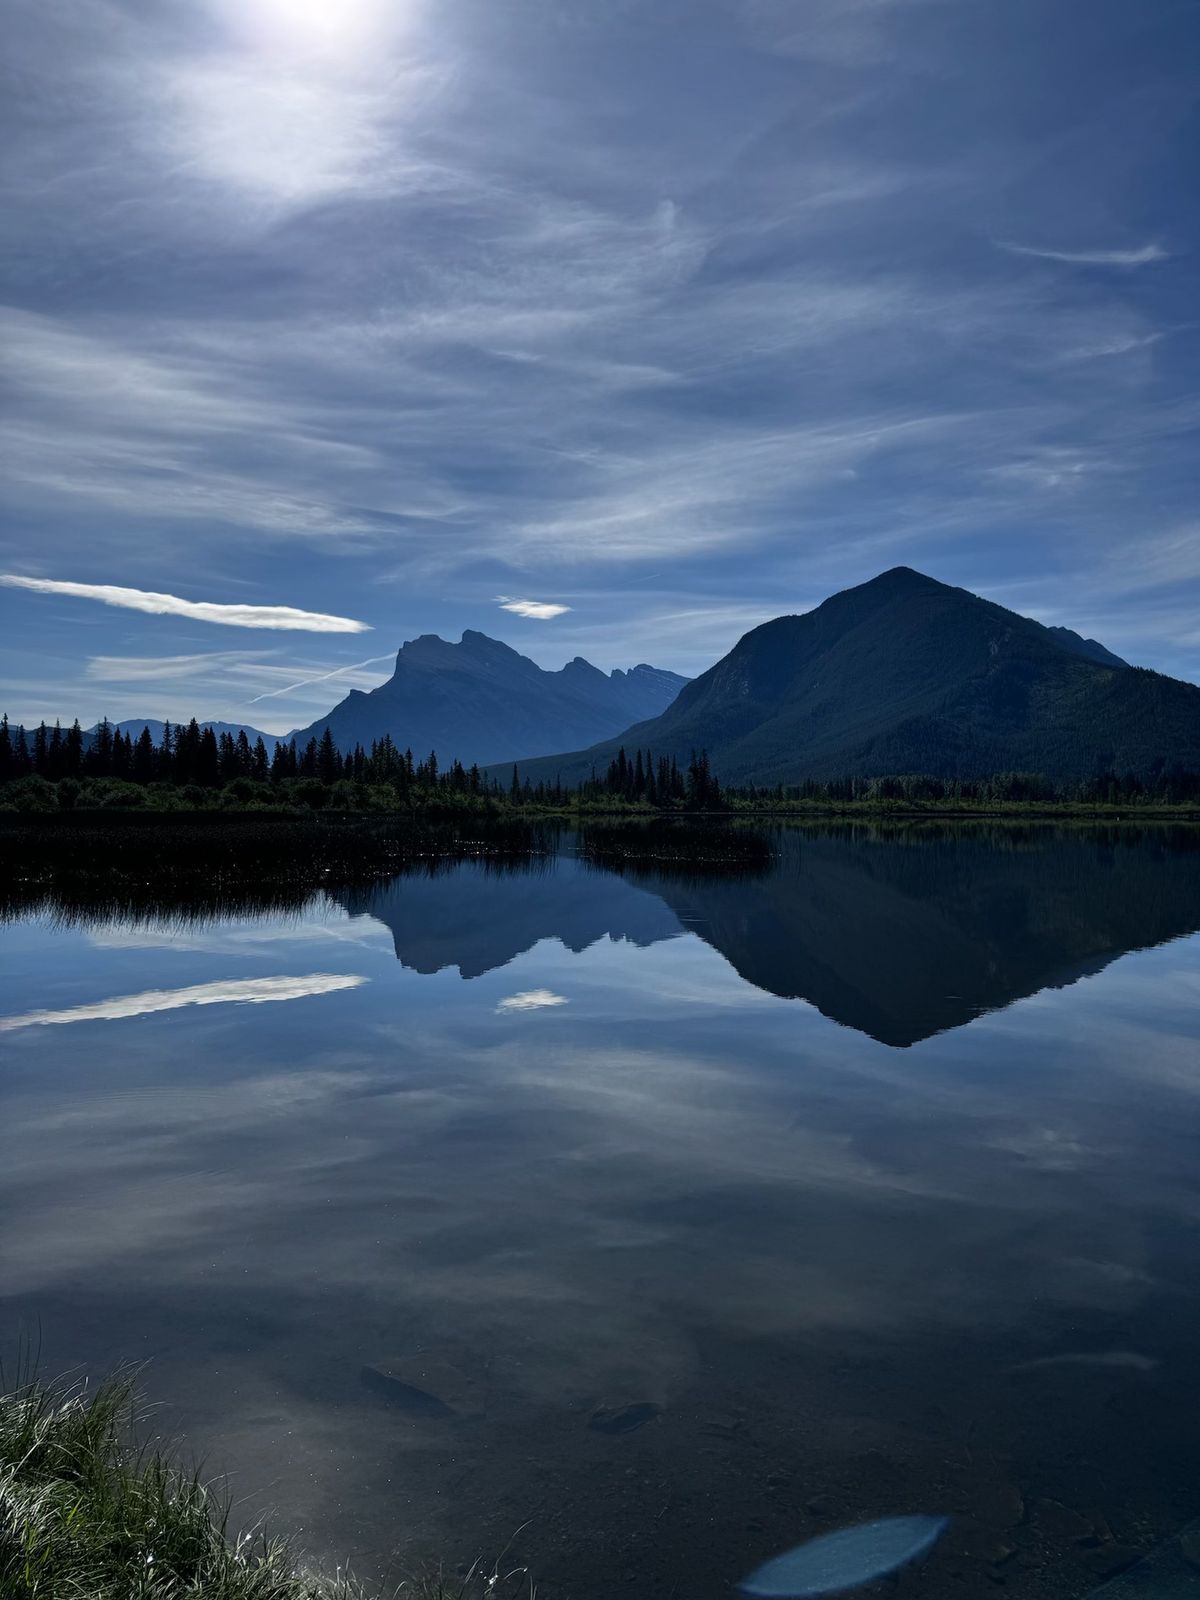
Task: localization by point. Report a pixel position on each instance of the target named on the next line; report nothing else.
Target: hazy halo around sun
(338, 27)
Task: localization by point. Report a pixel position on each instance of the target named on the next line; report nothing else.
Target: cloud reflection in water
(530, 1000)
(242, 991)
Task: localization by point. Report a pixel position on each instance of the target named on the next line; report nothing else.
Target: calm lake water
(712, 1210)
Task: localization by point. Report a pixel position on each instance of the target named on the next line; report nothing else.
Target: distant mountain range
(134, 725)
(899, 675)
(481, 701)
(478, 700)
(905, 674)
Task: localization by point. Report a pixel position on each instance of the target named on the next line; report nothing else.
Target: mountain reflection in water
(900, 933)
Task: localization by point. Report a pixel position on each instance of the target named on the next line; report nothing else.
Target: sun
(341, 27)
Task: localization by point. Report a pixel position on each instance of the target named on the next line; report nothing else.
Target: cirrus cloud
(171, 605)
(1143, 256)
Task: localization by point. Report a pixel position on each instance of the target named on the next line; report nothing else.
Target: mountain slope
(905, 674)
(481, 701)
(1091, 649)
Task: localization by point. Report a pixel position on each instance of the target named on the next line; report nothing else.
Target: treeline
(189, 754)
(656, 782)
(192, 767)
(194, 763)
(196, 760)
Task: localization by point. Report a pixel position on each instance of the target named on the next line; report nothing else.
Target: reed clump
(89, 1513)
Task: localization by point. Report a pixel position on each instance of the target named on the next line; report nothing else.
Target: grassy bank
(441, 804)
(87, 1512)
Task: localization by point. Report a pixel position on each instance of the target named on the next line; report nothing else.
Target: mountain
(1090, 649)
(906, 674)
(481, 701)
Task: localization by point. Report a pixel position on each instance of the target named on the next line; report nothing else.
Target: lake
(669, 1211)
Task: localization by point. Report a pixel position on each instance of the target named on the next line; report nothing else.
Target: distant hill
(905, 674)
(481, 701)
(134, 725)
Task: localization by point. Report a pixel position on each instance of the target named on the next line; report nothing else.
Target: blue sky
(676, 315)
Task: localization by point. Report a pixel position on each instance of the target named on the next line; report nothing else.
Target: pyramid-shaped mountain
(905, 674)
(481, 701)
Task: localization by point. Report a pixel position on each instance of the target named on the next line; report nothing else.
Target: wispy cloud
(469, 310)
(170, 605)
(1053, 469)
(216, 684)
(243, 991)
(530, 1000)
(321, 677)
(166, 669)
(543, 610)
(1143, 256)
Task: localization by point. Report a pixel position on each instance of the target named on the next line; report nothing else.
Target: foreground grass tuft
(87, 1514)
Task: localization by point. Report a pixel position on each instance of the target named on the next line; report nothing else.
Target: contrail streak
(270, 694)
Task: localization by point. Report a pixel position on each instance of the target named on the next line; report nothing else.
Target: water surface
(714, 1209)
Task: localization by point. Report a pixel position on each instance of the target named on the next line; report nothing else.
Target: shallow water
(714, 1212)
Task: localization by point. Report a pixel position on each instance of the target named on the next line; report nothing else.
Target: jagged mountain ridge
(482, 701)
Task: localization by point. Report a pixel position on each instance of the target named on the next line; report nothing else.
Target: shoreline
(440, 816)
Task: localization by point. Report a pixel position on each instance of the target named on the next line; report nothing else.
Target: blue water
(869, 1183)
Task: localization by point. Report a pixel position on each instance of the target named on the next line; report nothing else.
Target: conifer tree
(99, 758)
(208, 765)
(329, 761)
(143, 758)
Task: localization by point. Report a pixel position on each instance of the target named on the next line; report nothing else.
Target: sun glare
(302, 26)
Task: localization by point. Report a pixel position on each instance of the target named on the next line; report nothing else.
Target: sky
(606, 329)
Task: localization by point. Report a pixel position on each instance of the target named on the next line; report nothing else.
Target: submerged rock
(1057, 1521)
(423, 1387)
(1001, 1505)
(623, 1419)
(1105, 1558)
(722, 1424)
(1167, 1573)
